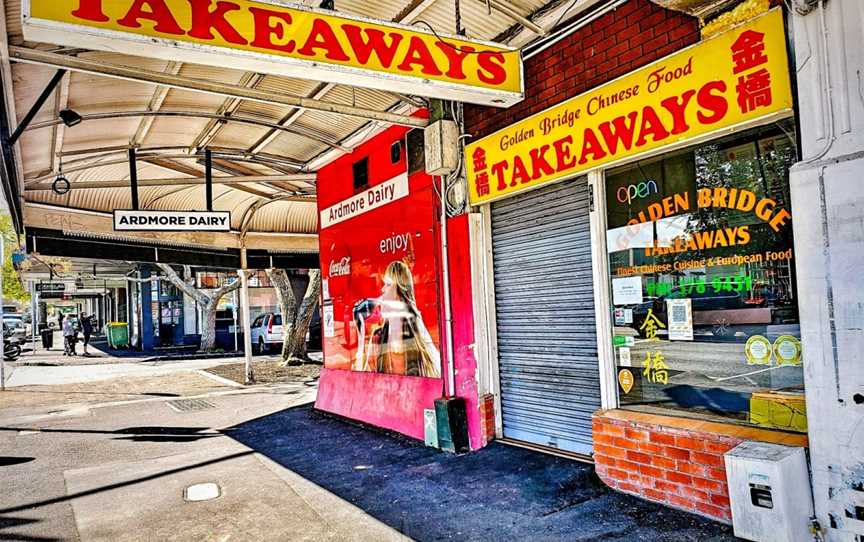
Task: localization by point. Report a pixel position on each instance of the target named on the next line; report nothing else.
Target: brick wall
(679, 467)
(487, 418)
(635, 34)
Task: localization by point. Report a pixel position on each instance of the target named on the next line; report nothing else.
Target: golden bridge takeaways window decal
(733, 79)
(285, 39)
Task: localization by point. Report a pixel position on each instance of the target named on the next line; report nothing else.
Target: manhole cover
(201, 492)
(190, 405)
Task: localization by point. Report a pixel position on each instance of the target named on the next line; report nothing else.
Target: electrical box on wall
(441, 147)
(769, 489)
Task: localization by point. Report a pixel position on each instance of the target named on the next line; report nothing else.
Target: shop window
(360, 171)
(702, 272)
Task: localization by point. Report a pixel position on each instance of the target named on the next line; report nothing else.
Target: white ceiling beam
(228, 107)
(32, 56)
(180, 181)
(412, 11)
(155, 104)
(318, 93)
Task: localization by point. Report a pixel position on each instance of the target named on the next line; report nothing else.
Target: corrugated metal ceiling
(90, 94)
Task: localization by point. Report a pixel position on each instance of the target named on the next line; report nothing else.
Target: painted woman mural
(393, 336)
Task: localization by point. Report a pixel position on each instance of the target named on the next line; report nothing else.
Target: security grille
(547, 344)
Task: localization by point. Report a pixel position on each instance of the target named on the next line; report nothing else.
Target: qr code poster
(680, 319)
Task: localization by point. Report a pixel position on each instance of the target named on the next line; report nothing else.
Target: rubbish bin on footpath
(47, 338)
(118, 334)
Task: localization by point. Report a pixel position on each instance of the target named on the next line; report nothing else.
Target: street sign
(50, 287)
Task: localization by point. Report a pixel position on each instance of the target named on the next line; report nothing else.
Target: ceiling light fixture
(70, 118)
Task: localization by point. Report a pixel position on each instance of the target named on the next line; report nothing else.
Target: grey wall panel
(544, 297)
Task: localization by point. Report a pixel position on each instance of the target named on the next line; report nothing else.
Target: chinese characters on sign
(481, 178)
(654, 366)
(754, 87)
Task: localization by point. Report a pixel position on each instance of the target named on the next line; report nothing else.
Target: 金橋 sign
(285, 39)
(735, 78)
(129, 220)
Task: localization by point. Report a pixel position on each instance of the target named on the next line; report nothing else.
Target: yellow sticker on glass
(625, 379)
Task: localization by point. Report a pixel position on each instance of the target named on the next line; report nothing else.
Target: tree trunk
(208, 334)
(296, 345)
(287, 304)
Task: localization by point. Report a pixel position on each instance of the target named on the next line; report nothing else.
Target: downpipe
(448, 314)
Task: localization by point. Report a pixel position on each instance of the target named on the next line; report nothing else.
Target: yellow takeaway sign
(285, 39)
(729, 80)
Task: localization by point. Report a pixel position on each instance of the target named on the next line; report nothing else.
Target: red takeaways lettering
(375, 42)
(265, 31)
(491, 69)
(322, 37)
(591, 145)
(203, 20)
(90, 10)
(651, 125)
(419, 54)
(716, 104)
(622, 132)
(158, 12)
(498, 168)
(539, 165)
(456, 58)
(679, 111)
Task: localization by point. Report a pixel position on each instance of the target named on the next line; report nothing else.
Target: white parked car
(267, 332)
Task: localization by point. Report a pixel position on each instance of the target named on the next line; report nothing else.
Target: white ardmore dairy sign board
(131, 220)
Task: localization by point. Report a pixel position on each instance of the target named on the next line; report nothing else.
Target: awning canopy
(262, 153)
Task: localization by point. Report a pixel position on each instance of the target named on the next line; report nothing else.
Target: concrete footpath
(107, 458)
(119, 473)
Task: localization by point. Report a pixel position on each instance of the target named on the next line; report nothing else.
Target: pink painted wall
(459, 260)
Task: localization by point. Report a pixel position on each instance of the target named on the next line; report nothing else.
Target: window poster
(701, 251)
(380, 268)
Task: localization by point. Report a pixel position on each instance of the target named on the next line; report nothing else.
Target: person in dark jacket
(86, 330)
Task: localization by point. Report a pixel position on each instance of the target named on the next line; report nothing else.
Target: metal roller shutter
(547, 344)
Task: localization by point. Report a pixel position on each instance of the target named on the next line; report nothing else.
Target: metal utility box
(452, 424)
(769, 488)
(430, 428)
(441, 141)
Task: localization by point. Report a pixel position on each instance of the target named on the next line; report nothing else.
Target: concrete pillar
(828, 221)
(247, 324)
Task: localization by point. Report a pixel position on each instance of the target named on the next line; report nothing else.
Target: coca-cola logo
(340, 268)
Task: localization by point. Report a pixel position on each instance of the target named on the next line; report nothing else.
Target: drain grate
(190, 405)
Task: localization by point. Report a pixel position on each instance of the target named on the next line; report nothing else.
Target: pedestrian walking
(69, 338)
(87, 330)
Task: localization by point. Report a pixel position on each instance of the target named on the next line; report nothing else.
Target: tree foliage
(13, 288)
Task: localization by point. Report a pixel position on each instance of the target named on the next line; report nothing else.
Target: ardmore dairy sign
(130, 220)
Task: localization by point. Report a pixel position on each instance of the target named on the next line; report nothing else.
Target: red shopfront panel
(380, 265)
